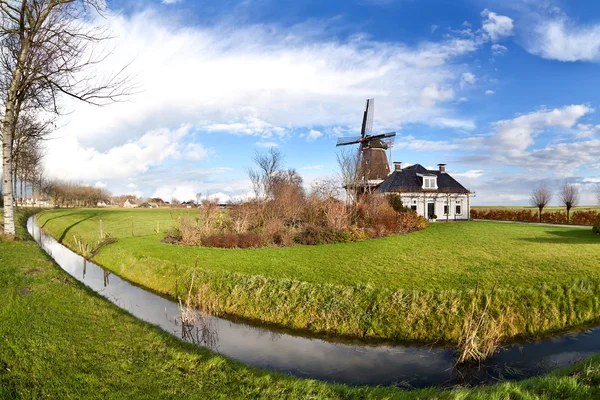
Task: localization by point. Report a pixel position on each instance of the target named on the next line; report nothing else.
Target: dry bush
(245, 216)
(209, 216)
(189, 232)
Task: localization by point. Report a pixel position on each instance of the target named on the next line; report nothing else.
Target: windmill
(374, 166)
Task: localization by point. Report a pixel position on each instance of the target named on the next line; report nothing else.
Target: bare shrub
(209, 214)
(245, 216)
(189, 231)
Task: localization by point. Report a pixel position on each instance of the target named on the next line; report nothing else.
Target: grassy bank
(417, 286)
(60, 340)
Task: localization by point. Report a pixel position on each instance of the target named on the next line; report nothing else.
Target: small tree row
(568, 195)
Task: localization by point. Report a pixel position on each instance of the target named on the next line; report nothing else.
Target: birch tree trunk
(7, 172)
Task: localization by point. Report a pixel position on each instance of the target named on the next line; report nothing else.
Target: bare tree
(350, 173)
(540, 197)
(269, 164)
(569, 196)
(47, 47)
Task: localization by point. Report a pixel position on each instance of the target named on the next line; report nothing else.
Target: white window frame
(458, 207)
(430, 182)
(446, 208)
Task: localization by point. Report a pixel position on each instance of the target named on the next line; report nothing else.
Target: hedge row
(524, 215)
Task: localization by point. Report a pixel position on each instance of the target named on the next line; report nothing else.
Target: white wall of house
(453, 207)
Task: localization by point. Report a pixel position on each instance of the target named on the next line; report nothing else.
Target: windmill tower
(373, 167)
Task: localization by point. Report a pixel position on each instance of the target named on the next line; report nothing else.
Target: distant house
(188, 204)
(129, 204)
(103, 203)
(429, 192)
(148, 205)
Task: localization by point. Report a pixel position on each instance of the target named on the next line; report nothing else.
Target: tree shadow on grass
(567, 236)
(68, 228)
(59, 216)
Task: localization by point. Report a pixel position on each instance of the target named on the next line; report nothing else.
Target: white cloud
(100, 185)
(195, 152)
(267, 144)
(132, 186)
(287, 81)
(489, 92)
(560, 39)
(68, 159)
(171, 1)
(261, 80)
(498, 49)
(434, 28)
(586, 130)
(453, 123)
(410, 143)
(467, 78)
(470, 174)
(518, 133)
(433, 93)
(496, 26)
(313, 135)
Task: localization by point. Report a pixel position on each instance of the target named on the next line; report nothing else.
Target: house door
(430, 209)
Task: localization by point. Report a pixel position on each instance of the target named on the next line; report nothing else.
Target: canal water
(353, 363)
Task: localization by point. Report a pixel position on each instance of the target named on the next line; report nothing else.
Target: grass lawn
(60, 340)
(417, 286)
(445, 256)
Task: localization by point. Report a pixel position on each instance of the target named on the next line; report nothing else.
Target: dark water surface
(356, 363)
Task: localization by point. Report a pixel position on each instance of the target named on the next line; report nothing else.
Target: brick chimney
(397, 165)
(442, 168)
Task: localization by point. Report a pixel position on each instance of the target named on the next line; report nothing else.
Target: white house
(429, 192)
(130, 204)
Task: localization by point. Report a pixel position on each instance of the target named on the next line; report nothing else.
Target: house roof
(410, 179)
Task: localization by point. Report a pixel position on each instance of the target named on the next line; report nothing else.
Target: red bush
(523, 215)
(584, 217)
(231, 240)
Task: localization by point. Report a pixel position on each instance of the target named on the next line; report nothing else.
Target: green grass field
(60, 340)
(443, 257)
(414, 287)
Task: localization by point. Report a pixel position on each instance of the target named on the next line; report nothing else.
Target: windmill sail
(348, 140)
(367, 123)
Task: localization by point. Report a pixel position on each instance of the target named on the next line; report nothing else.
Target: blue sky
(504, 92)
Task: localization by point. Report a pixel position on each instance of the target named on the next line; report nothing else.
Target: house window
(446, 209)
(413, 207)
(429, 183)
(458, 208)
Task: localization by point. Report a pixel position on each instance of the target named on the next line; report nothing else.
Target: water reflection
(353, 363)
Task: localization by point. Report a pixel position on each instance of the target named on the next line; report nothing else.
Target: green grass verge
(60, 340)
(416, 286)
